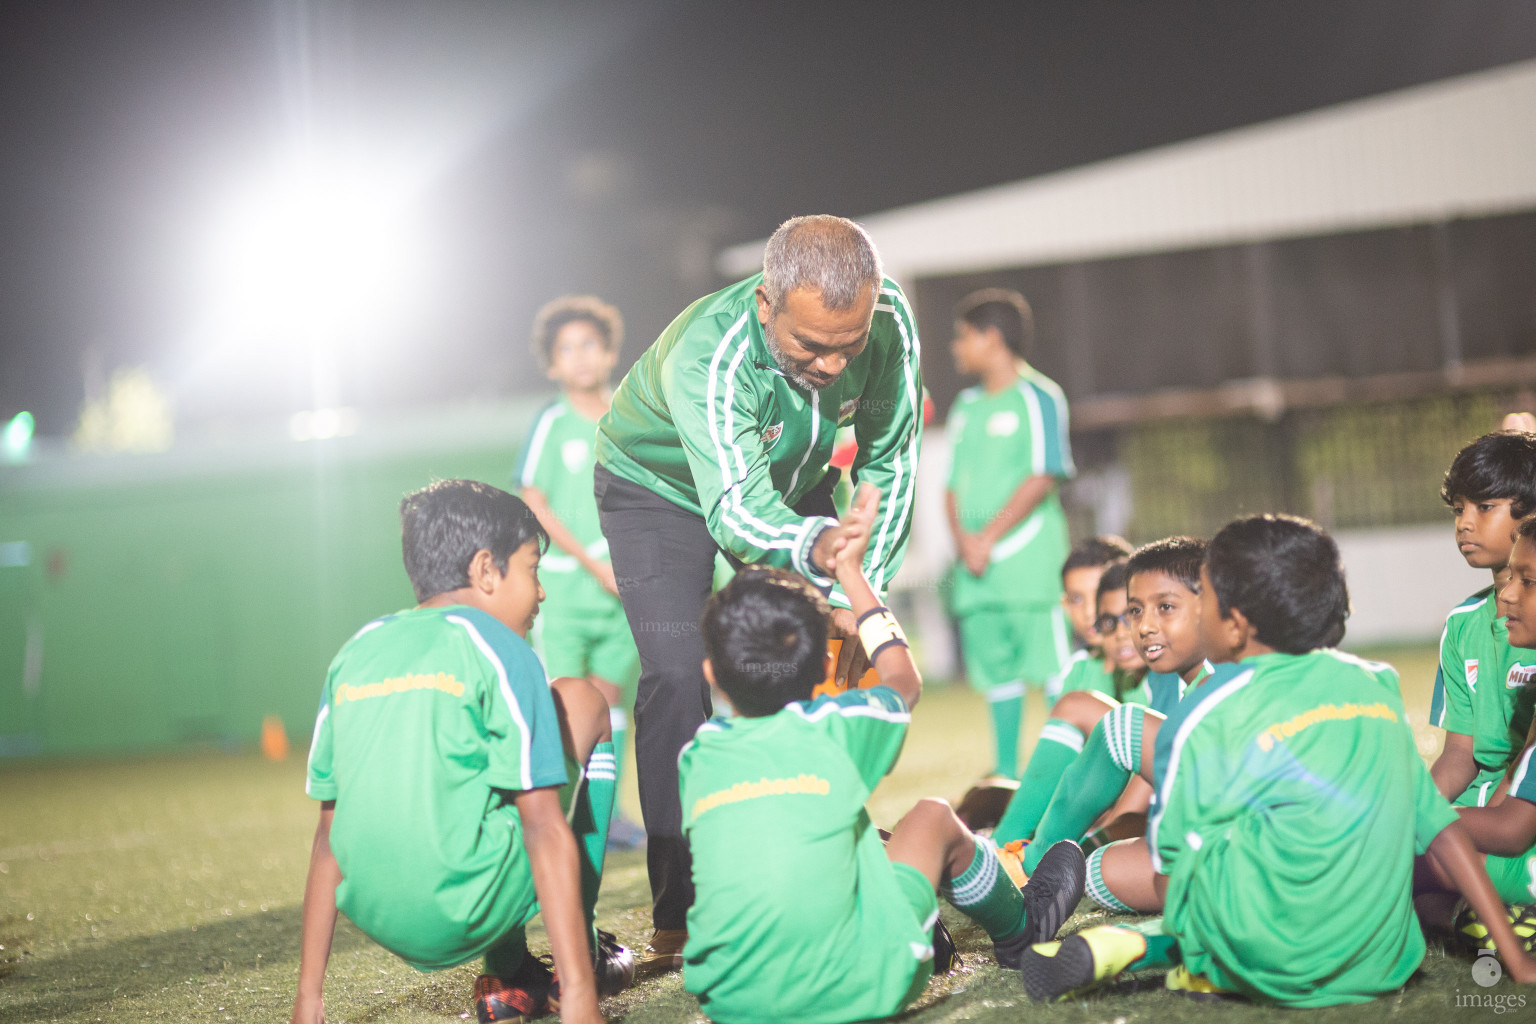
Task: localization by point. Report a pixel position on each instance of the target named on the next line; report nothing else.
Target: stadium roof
(1460, 147)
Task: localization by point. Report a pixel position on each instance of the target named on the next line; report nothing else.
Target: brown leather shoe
(662, 954)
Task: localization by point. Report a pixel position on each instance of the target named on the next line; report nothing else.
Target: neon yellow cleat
(1057, 970)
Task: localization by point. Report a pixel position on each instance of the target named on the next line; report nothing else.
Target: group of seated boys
(1222, 764)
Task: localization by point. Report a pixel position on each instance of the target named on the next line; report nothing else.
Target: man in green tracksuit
(719, 438)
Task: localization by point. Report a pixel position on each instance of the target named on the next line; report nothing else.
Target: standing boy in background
(582, 630)
(1008, 436)
(1480, 700)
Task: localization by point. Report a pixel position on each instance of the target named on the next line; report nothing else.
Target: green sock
(1006, 702)
(503, 959)
(1092, 782)
(590, 813)
(1059, 744)
(618, 724)
(1162, 948)
(984, 893)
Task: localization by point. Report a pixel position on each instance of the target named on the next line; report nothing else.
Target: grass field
(169, 890)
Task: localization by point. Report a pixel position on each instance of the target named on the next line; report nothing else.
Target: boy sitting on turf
(1490, 486)
(1080, 574)
(1289, 778)
(1089, 766)
(1096, 565)
(582, 630)
(801, 914)
(440, 759)
(1505, 829)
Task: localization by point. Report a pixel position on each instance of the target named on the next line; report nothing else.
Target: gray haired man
(719, 439)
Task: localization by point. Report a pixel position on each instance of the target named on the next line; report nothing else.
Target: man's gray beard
(772, 341)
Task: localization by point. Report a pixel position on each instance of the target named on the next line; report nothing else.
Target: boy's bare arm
(1454, 856)
(557, 882)
(1507, 830)
(1019, 505)
(319, 922)
(1455, 768)
(894, 664)
(566, 541)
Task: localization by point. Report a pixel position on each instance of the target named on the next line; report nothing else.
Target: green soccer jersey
(999, 441)
(1484, 688)
(558, 460)
(1283, 784)
(793, 917)
(427, 718)
(1083, 671)
(706, 419)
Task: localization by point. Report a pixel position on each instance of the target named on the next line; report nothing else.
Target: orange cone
(274, 738)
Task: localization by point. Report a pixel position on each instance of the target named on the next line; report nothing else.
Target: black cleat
(1053, 892)
(523, 997)
(1050, 974)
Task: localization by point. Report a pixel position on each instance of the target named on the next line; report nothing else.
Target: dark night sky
(583, 146)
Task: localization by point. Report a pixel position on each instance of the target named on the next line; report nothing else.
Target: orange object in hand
(829, 687)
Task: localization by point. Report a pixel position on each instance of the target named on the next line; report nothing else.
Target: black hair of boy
(765, 633)
(1283, 573)
(1497, 465)
(1179, 557)
(1116, 575)
(1527, 528)
(1004, 309)
(445, 523)
(1096, 552)
(556, 313)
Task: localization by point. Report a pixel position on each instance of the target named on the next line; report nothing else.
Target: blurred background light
(18, 437)
(316, 252)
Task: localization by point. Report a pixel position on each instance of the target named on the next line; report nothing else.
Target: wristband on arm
(878, 629)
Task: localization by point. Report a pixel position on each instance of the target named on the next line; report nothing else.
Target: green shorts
(1007, 648)
(413, 917)
(590, 644)
(915, 910)
(1514, 877)
(1481, 788)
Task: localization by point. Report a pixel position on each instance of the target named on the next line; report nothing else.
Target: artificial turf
(168, 889)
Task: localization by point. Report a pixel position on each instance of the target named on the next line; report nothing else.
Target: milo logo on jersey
(847, 409)
(1520, 675)
(772, 434)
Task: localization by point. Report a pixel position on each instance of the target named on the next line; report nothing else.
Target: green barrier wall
(159, 601)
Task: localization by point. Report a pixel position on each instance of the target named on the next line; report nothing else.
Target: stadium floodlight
(17, 442)
(315, 253)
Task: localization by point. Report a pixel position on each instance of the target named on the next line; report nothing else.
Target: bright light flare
(316, 254)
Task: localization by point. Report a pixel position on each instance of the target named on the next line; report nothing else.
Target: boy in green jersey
(581, 631)
(1087, 669)
(800, 913)
(1098, 771)
(1011, 448)
(1506, 830)
(1482, 699)
(1291, 777)
(1080, 573)
(447, 817)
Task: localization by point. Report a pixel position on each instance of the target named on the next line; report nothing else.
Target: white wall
(1403, 580)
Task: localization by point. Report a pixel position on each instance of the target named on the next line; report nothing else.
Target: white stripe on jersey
(536, 443)
(1220, 694)
(525, 738)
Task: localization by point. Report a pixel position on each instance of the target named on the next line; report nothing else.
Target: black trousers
(664, 561)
